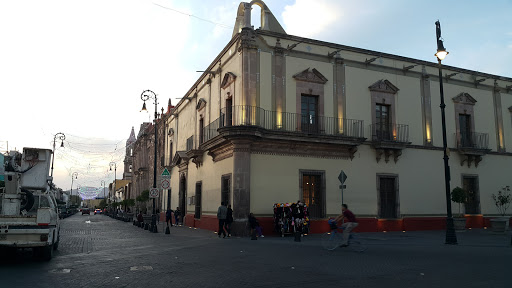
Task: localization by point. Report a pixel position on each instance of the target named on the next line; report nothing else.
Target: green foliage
(130, 202)
(2, 183)
(459, 196)
(143, 197)
(103, 204)
(502, 200)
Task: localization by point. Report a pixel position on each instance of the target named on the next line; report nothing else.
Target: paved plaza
(98, 251)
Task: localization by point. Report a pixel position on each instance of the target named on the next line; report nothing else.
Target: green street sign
(166, 173)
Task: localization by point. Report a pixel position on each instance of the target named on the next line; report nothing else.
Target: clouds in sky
(78, 67)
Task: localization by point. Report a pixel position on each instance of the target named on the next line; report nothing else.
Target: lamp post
(62, 137)
(115, 177)
(102, 183)
(451, 237)
(73, 176)
(146, 95)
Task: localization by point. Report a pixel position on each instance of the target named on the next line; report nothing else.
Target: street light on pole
(115, 177)
(146, 95)
(73, 176)
(451, 237)
(102, 183)
(62, 137)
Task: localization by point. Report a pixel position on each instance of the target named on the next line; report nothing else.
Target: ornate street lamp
(62, 137)
(146, 95)
(451, 237)
(73, 176)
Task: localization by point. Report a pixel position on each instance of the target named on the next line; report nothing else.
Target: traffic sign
(165, 183)
(342, 177)
(166, 173)
(153, 193)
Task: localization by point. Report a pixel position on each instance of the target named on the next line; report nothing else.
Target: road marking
(88, 221)
(60, 271)
(140, 268)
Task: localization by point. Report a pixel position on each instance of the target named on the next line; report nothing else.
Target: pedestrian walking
(229, 220)
(177, 213)
(221, 215)
(168, 215)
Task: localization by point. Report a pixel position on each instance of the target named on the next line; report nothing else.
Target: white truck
(29, 217)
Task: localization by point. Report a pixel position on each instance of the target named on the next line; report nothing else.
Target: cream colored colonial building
(276, 117)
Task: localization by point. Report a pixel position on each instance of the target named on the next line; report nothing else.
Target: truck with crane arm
(29, 217)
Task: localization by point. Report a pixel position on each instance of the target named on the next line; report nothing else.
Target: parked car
(97, 211)
(86, 211)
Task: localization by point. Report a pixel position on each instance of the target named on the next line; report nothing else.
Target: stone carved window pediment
(464, 98)
(383, 86)
(227, 80)
(312, 75)
(180, 156)
(200, 104)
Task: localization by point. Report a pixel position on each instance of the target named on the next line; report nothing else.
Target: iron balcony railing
(389, 132)
(284, 121)
(472, 140)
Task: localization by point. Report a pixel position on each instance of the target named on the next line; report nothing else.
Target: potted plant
(502, 201)
(459, 196)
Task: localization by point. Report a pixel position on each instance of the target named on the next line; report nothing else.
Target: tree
(460, 196)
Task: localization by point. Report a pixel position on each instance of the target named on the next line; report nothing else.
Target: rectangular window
(383, 122)
(388, 197)
(198, 200)
(309, 113)
(470, 184)
(225, 189)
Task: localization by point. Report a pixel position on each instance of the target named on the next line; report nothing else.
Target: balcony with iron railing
(284, 122)
(472, 140)
(389, 133)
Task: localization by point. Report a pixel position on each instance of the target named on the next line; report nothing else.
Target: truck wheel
(47, 252)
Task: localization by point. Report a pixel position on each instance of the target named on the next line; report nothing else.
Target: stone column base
(240, 228)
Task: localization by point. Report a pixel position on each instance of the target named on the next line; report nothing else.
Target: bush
(502, 200)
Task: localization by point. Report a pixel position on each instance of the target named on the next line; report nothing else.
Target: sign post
(342, 177)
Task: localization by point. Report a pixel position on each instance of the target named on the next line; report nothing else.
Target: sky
(78, 67)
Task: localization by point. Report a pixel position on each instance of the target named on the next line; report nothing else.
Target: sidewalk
(471, 238)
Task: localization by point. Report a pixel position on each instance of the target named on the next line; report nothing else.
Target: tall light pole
(102, 183)
(451, 237)
(62, 137)
(146, 95)
(73, 176)
(115, 177)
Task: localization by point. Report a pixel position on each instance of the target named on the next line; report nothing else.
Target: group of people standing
(225, 217)
(168, 216)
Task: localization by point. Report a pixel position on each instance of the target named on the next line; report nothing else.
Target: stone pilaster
(241, 185)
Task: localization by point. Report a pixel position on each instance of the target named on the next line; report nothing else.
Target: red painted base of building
(211, 223)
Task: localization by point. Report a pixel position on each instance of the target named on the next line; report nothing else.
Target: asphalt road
(98, 251)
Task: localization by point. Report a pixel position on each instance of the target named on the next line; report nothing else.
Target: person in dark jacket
(255, 225)
(177, 213)
(168, 216)
(229, 220)
(222, 213)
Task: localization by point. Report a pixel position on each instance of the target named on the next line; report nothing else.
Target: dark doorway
(388, 205)
(312, 194)
(198, 200)
(229, 112)
(470, 184)
(383, 122)
(309, 113)
(465, 130)
(201, 131)
(225, 189)
(183, 197)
